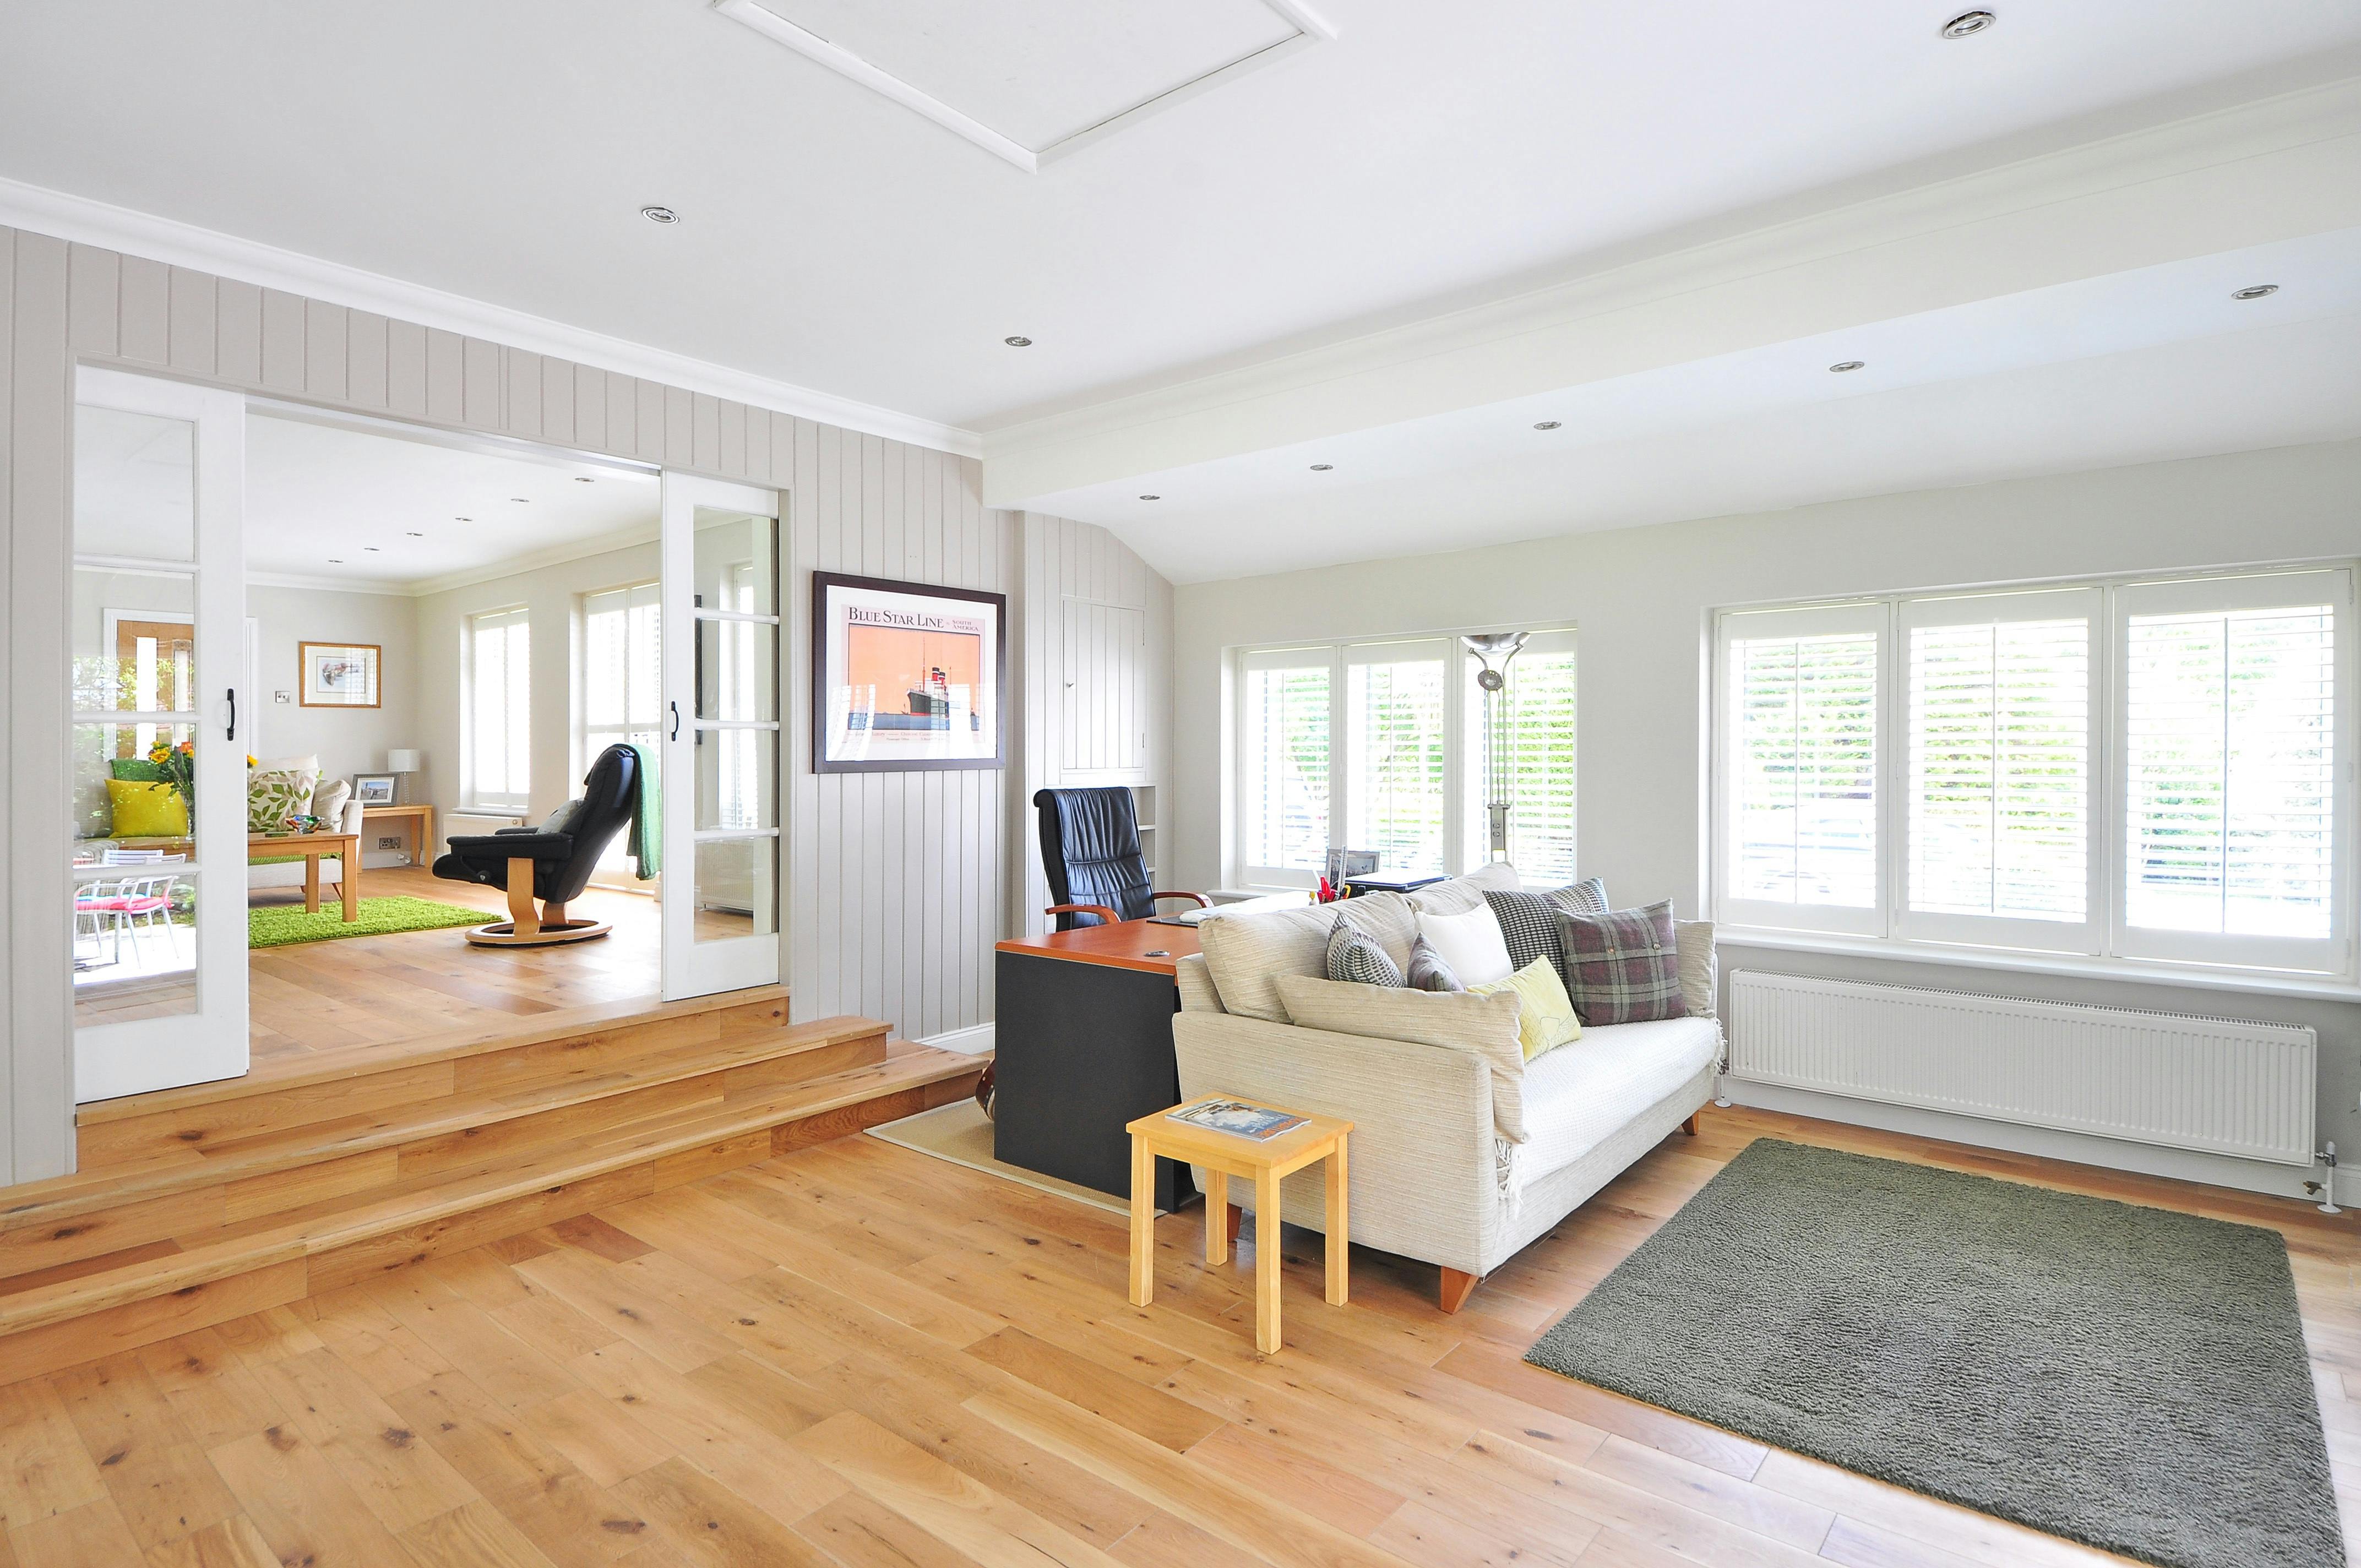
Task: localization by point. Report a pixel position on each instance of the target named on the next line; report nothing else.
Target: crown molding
(325, 585)
(83, 221)
(2262, 164)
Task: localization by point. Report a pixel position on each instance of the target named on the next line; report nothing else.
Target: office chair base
(504, 934)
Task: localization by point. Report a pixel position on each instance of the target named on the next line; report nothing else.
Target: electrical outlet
(282, 696)
(394, 843)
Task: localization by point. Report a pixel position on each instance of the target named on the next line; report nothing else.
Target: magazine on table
(1238, 1118)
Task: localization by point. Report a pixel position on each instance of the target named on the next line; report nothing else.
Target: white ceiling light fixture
(1151, 497)
(2257, 291)
(1084, 71)
(1548, 425)
(1845, 366)
(660, 215)
(1322, 468)
(1018, 341)
(1967, 23)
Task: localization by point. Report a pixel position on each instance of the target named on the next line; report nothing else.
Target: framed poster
(339, 674)
(906, 676)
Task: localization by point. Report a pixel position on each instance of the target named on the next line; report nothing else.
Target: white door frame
(692, 968)
(112, 1059)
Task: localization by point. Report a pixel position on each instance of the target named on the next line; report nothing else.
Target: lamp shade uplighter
(402, 761)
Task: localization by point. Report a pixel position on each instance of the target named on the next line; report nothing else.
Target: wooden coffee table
(1266, 1164)
(312, 847)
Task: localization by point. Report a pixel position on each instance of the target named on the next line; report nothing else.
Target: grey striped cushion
(1528, 926)
(1354, 958)
(1427, 969)
(1588, 896)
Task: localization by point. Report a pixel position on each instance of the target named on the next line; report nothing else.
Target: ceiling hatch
(1033, 79)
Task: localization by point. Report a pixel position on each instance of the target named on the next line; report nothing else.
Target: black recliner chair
(551, 862)
(1090, 848)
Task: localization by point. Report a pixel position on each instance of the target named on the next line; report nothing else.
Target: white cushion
(1482, 1025)
(306, 764)
(328, 797)
(1462, 894)
(1693, 942)
(1579, 1094)
(1470, 943)
(1246, 952)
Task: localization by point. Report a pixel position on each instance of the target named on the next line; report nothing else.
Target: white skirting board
(2107, 1153)
(974, 1041)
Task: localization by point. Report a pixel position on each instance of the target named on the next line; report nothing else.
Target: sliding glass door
(156, 842)
(723, 578)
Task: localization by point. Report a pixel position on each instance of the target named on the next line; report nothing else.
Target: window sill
(2322, 988)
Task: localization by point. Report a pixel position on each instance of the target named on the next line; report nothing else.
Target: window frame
(1463, 843)
(494, 803)
(2106, 941)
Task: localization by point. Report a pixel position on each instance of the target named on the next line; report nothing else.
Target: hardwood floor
(853, 1355)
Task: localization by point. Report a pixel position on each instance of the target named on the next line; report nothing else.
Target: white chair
(139, 904)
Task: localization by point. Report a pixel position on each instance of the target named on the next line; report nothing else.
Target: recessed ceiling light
(415, 535)
(2257, 291)
(522, 501)
(584, 479)
(370, 548)
(1842, 365)
(462, 519)
(335, 560)
(1151, 497)
(1547, 424)
(1967, 23)
(1321, 467)
(660, 215)
(1018, 341)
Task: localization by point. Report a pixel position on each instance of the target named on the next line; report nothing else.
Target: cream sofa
(1439, 1171)
(341, 814)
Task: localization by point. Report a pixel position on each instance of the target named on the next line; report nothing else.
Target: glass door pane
(157, 836)
(722, 672)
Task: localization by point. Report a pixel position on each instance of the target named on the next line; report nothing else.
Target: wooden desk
(1082, 1046)
(421, 819)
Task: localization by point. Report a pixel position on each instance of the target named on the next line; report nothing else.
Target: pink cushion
(123, 905)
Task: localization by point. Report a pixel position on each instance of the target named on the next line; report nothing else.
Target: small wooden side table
(420, 817)
(1266, 1164)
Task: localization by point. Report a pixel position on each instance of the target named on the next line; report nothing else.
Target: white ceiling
(336, 504)
(1427, 162)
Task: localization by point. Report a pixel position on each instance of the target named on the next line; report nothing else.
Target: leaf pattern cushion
(273, 797)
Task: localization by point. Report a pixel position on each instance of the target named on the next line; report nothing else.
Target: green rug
(379, 917)
(2129, 1378)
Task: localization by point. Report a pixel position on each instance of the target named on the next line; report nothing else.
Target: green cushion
(137, 769)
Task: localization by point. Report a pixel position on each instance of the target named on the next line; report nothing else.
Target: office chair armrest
(1202, 902)
(515, 846)
(1101, 910)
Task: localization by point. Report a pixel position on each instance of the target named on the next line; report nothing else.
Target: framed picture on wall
(339, 674)
(906, 676)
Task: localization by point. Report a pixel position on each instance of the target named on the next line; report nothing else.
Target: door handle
(232, 715)
(675, 721)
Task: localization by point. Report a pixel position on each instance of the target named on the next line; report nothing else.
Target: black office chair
(551, 862)
(1090, 847)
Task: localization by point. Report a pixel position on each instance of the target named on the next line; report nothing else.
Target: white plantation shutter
(1999, 740)
(1800, 831)
(2234, 746)
(1393, 743)
(1541, 762)
(1285, 714)
(500, 709)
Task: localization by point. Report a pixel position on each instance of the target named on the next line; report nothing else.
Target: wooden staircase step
(138, 1198)
(229, 1270)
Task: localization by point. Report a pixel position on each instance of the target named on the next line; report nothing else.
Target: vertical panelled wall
(1096, 707)
(896, 893)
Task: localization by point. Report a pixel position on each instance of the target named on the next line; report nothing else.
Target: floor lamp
(1492, 679)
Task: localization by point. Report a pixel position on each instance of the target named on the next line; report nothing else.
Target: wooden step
(222, 1272)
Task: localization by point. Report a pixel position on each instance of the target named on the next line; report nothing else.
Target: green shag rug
(2129, 1378)
(280, 927)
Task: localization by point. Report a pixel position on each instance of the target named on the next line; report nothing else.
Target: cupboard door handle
(675, 721)
(232, 715)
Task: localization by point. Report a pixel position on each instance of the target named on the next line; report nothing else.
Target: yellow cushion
(144, 810)
(1545, 1016)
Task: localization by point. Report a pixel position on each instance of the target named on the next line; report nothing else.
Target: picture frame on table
(374, 789)
(341, 674)
(907, 677)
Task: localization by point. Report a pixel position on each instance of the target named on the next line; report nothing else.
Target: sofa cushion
(1695, 940)
(1247, 952)
(1355, 956)
(1528, 927)
(1462, 894)
(274, 794)
(1588, 896)
(1427, 971)
(1485, 1026)
(328, 797)
(142, 810)
(1623, 968)
(1545, 1018)
(1578, 1096)
(1471, 943)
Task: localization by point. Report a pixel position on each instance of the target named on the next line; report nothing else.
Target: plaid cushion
(1427, 969)
(1528, 926)
(1355, 956)
(1585, 897)
(1623, 967)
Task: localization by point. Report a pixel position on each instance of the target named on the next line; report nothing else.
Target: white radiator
(2153, 1077)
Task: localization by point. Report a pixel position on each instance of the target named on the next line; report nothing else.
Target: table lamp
(401, 762)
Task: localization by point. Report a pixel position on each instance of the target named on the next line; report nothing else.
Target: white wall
(1641, 599)
(552, 596)
(347, 740)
